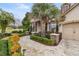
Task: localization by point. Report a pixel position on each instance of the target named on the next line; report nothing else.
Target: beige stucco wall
(38, 28)
(60, 28)
(70, 33)
(73, 14)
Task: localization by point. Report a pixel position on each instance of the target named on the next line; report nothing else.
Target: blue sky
(19, 9)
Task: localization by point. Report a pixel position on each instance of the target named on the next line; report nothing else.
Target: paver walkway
(34, 48)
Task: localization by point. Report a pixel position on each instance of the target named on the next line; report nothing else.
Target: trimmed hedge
(21, 33)
(39, 34)
(17, 31)
(9, 46)
(4, 48)
(43, 40)
(5, 35)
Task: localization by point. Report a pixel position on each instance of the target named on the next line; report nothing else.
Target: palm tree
(45, 12)
(5, 19)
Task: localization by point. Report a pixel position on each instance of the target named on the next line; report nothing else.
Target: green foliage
(39, 34)
(4, 48)
(15, 31)
(1, 36)
(44, 10)
(20, 33)
(47, 36)
(10, 46)
(43, 40)
(5, 19)
(26, 23)
(5, 35)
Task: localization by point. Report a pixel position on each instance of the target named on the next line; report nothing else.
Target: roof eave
(71, 8)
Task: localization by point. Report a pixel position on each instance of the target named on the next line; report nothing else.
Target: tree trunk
(57, 27)
(45, 27)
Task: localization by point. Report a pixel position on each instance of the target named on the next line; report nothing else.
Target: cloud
(19, 9)
(22, 6)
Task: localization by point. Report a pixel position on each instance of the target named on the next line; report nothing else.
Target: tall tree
(45, 11)
(26, 22)
(5, 19)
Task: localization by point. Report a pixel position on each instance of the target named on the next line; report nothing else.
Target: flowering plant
(15, 46)
(15, 38)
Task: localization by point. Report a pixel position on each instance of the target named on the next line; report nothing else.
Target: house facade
(70, 27)
(43, 26)
(36, 26)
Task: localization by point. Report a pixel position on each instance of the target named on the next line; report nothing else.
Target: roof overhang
(70, 22)
(71, 8)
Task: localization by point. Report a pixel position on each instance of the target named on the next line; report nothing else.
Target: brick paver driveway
(34, 48)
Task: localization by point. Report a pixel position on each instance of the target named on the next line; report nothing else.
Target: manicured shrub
(39, 34)
(1, 36)
(22, 34)
(43, 40)
(47, 36)
(4, 48)
(10, 44)
(7, 34)
(17, 31)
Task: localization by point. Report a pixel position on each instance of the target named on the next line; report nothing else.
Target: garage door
(76, 34)
(70, 31)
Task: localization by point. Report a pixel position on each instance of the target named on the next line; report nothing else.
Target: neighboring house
(70, 27)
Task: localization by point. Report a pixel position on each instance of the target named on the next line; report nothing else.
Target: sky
(19, 9)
